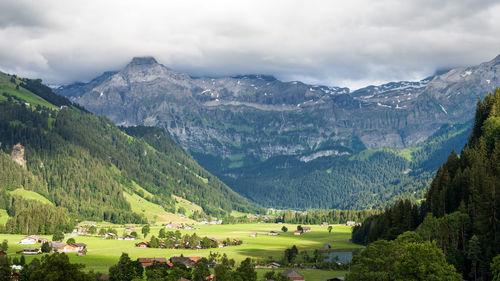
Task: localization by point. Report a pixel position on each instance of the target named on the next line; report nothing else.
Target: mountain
(86, 165)
(260, 135)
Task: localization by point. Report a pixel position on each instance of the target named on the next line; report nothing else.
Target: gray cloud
(345, 43)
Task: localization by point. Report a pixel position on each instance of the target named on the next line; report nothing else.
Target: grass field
(104, 253)
(187, 205)
(153, 212)
(30, 195)
(7, 87)
(310, 275)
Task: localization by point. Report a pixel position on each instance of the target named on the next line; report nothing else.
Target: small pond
(343, 256)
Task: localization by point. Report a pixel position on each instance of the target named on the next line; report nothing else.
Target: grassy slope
(30, 195)
(7, 87)
(187, 205)
(26, 194)
(104, 253)
(153, 212)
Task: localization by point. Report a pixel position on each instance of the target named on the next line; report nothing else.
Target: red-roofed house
(143, 244)
(149, 261)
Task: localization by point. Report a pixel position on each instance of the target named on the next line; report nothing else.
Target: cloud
(345, 43)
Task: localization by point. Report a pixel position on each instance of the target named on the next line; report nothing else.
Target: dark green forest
(461, 209)
(362, 180)
(84, 163)
(330, 216)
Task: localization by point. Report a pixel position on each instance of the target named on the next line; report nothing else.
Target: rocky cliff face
(17, 154)
(260, 115)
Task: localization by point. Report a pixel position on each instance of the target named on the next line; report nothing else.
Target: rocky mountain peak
(143, 61)
(251, 113)
(497, 59)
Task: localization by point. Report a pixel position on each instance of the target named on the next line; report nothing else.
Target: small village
(171, 236)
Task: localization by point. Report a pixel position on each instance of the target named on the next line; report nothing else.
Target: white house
(127, 237)
(110, 236)
(28, 241)
(31, 251)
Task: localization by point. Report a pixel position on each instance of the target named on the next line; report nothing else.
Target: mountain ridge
(257, 123)
(208, 93)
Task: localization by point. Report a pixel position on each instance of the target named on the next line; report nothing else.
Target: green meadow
(104, 253)
(30, 195)
(10, 88)
(309, 274)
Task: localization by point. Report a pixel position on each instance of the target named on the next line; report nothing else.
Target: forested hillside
(84, 163)
(295, 145)
(358, 180)
(462, 206)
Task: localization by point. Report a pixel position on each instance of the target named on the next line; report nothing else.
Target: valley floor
(104, 253)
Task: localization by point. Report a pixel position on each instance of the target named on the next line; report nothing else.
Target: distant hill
(86, 165)
(285, 144)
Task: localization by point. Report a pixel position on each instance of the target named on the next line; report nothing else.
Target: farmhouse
(80, 246)
(127, 237)
(68, 248)
(273, 233)
(253, 234)
(28, 240)
(173, 226)
(350, 223)
(272, 265)
(129, 228)
(187, 261)
(293, 275)
(306, 229)
(297, 232)
(142, 245)
(110, 236)
(31, 251)
(82, 253)
(56, 245)
(194, 259)
(39, 239)
(149, 261)
(81, 230)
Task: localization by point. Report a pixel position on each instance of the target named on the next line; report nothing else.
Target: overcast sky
(337, 43)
